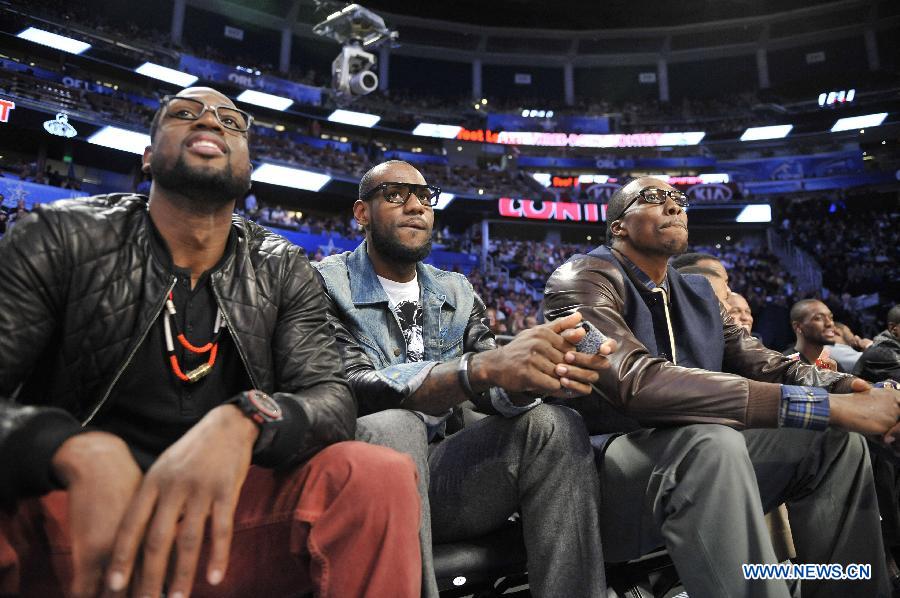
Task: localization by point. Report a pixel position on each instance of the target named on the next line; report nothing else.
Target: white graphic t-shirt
(404, 301)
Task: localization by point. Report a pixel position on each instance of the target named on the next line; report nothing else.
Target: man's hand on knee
(198, 477)
(101, 478)
(875, 411)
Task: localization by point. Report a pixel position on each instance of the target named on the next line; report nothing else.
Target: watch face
(265, 404)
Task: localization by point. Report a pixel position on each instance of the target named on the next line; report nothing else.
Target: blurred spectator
(843, 350)
(813, 325)
(881, 361)
(739, 310)
(718, 283)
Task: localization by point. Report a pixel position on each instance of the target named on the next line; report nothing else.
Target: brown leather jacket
(652, 390)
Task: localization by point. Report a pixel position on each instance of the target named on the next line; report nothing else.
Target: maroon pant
(345, 524)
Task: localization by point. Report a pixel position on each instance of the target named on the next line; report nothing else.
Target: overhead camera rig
(358, 30)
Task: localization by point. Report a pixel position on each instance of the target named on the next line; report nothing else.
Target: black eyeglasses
(191, 109)
(658, 196)
(399, 193)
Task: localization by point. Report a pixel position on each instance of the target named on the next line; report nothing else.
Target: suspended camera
(358, 30)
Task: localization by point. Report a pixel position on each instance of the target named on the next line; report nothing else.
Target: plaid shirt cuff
(804, 407)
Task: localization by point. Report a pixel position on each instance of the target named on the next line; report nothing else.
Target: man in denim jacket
(416, 344)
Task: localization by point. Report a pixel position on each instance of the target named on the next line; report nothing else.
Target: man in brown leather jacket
(691, 472)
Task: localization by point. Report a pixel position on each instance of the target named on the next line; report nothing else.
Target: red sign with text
(552, 210)
(5, 107)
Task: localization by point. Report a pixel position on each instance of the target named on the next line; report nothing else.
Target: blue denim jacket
(362, 306)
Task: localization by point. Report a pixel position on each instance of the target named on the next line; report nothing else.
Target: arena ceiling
(586, 14)
(544, 14)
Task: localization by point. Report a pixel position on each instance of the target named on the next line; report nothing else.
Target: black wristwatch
(263, 410)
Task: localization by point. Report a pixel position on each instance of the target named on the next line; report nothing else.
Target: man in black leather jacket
(142, 341)
(881, 360)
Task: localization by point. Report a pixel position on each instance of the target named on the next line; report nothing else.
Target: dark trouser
(539, 463)
(702, 490)
(345, 524)
(886, 470)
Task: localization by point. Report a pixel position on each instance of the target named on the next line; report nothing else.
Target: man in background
(813, 325)
(881, 361)
(739, 310)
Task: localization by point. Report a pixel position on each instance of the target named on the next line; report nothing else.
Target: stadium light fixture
(544, 178)
(755, 212)
(357, 119)
(859, 122)
(770, 132)
(714, 177)
(438, 131)
(285, 176)
(587, 179)
(686, 138)
(53, 40)
(121, 139)
(266, 100)
(444, 200)
(162, 73)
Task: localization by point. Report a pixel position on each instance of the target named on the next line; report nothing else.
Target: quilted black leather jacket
(79, 290)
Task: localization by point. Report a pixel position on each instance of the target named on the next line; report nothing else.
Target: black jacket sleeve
(31, 294)
(311, 388)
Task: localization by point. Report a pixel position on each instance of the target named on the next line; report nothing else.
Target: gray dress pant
(539, 463)
(701, 491)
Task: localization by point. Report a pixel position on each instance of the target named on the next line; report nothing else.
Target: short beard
(669, 248)
(205, 192)
(390, 248)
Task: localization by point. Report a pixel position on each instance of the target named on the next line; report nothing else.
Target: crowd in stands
(354, 163)
(113, 106)
(755, 273)
(28, 172)
(858, 251)
(723, 113)
(10, 213)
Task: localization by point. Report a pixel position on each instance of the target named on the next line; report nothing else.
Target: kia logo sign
(709, 192)
(601, 192)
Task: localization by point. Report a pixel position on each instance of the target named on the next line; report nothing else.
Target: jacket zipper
(665, 298)
(234, 336)
(125, 365)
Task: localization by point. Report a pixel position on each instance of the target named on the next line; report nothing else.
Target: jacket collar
(161, 253)
(885, 337)
(366, 289)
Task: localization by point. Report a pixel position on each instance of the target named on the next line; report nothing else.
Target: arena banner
(559, 122)
(551, 210)
(210, 70)
(795, 168)
(545, 139)
(14, 189)
(415, 158)
(704, 188)
(616, 163)
(828, 183)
